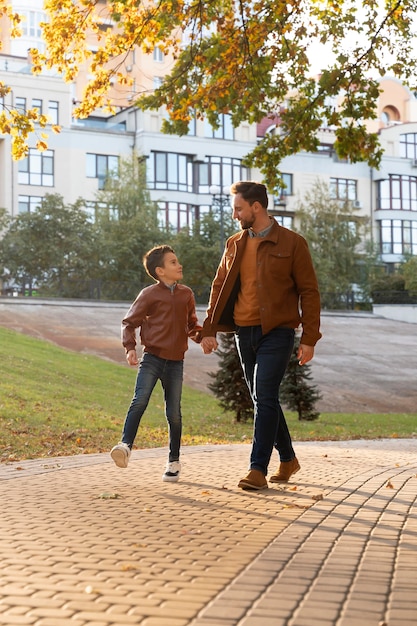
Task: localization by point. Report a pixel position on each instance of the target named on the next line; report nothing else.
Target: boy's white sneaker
(172, 472)
(120, 454)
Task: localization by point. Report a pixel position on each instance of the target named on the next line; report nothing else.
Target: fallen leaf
(389, 485)
(318, 496)
(109, 496)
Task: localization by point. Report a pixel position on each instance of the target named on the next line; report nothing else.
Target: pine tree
(230, 387)
(296, 392)
(229, 384)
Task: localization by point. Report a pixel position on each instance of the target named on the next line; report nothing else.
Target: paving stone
(207, 554)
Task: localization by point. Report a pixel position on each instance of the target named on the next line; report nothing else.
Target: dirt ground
(363, 363)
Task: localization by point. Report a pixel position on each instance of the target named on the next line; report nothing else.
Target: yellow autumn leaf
(41, 146)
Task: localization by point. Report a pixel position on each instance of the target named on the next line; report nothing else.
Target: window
(225, 130)
(397, 193)
(176, 215)
(192, 127)
(408, 146)
(390, 115)
(31, 31)
(31, 24)
(220, 171)
(37, 168)
(284, 220)
(158, 55)
(157, 81)
(100, 166)
(37, 104)
(286, 190)
(28, 204)
(287, 180)
(53, 111)
(325, 148)
(96, 209)
(169, 170)
(343, 188)
(398, 236)
(20, 104)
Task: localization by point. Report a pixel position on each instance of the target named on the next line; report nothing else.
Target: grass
(54, 402)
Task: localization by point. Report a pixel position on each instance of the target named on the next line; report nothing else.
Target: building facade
(183, 172)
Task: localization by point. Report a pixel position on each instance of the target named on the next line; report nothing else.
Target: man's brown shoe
(285, 471)
(255, 481)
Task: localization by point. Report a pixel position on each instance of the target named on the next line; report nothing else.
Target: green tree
(198, 250)
(229, 384)
(333, 232)
(296, 391)
(370, 270)
(53, 246)
(127, 222)
(409, 271)
(389, 289)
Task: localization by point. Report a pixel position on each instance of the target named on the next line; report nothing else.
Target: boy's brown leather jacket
(166, 318)
(287, 285)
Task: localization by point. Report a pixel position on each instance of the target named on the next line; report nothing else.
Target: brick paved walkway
(84, 543)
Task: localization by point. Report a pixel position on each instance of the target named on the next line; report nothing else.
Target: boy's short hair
(155, 258)
(251, 191)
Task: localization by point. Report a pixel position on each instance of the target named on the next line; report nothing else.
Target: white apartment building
(181, 171)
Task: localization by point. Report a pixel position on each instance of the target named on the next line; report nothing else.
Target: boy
(165, 313)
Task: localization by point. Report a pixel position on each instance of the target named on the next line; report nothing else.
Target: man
(264, 288)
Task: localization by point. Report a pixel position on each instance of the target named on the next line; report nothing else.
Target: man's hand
(209, 344)
(305, 353)
(132, 358)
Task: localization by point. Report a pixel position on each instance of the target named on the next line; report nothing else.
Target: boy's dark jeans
(264, 360)
(170, 373)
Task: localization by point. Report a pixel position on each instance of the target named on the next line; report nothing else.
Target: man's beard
(248, 223)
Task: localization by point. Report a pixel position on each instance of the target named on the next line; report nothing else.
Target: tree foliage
(297, 391)
(249, 59)
(127, 222)
(199, 252)
(409, 272)
(52, 246)
(333, 231)
(229, 384)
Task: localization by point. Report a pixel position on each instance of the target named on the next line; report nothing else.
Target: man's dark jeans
(264, 360)
(170, 373)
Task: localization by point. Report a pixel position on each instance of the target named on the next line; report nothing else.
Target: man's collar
(262, 233)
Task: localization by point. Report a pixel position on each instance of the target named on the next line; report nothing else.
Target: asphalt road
(363, 363)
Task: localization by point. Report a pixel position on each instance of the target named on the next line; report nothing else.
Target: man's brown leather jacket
(288, 293)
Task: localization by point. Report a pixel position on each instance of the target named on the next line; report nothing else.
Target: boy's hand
(132, 357)
(209, 344)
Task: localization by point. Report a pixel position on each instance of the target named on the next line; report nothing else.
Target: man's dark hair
(155, 258)
(251, 191)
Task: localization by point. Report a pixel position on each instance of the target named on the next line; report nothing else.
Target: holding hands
(208, 344)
